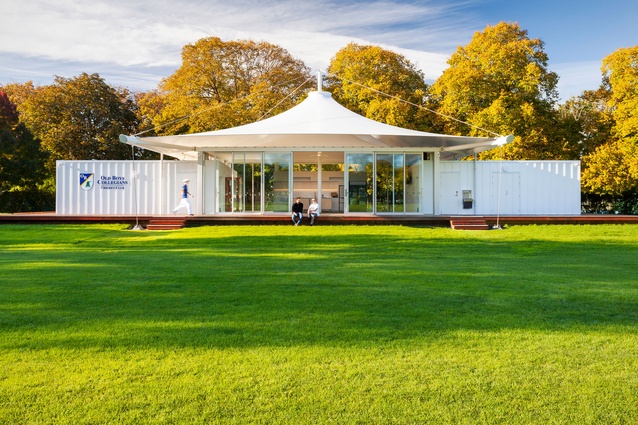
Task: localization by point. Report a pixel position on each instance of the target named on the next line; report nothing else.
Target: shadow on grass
(308, 290)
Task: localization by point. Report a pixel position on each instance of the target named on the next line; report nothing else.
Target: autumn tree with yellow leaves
(379, 84)
(612, 169)
(500, 84)
(223, 84)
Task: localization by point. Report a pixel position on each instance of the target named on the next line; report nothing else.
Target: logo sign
(112, 182)
(86, 181)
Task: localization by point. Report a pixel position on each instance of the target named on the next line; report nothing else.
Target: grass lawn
(318, 325)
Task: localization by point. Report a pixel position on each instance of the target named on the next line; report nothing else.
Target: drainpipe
(474, 188)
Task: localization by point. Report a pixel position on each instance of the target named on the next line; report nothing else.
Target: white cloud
(576, 77)
(152, 33)
(136, 43)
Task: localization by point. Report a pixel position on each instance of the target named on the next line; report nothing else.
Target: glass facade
(368, 182)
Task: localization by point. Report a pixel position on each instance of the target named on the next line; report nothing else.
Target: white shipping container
(511, 187)
(121, 187)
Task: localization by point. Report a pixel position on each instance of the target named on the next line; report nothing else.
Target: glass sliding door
(225, 174)
(332, 177)
(276, 171)
(246, 185)
(360, 182)
(390, 183)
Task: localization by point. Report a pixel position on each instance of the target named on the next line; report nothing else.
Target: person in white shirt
(184, 201)
(313, 211)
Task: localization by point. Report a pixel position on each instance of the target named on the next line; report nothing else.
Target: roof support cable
(279, 103)
(216, 106)
(418, 106)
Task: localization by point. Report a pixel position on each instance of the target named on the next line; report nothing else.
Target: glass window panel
(398, 202)
(360, 182)
(305, 176)
(224, 181)
(385, 182)
(390, 183)
(413, 182)
(332, 182)
(277, 182)
(246, 188)
(237, 183)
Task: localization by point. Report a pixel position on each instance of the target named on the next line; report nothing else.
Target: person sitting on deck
(313, 211)
(297, 211)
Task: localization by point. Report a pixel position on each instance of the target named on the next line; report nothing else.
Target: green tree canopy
(21, 160)
(500, 82)
(361, 75)
(590, 119)
(81, 118)
(222, 84)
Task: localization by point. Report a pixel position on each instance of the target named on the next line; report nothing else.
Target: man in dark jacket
(297, 211)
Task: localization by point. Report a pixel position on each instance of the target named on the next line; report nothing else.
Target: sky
(136, 43)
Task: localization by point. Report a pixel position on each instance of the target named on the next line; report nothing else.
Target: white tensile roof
(318, 123)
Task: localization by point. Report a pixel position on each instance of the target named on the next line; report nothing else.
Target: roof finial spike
(319, 81)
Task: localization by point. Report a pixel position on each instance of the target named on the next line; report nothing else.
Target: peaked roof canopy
(318, 123)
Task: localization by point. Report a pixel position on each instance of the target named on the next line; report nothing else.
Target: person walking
(297, 211)
(184, 201)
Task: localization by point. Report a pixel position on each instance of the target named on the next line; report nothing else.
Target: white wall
(116, 190)
(210, 193)
(511, 187)
(498, 187)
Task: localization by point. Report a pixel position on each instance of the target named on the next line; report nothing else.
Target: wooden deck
(323, 220)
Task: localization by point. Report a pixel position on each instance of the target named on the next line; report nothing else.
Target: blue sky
(135, 43)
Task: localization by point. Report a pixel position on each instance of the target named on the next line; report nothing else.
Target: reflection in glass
(390, 183)
(360, 180)
(246, 185)
(413, 182)
(277, 182)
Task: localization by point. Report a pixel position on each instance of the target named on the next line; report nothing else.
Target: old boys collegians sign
(104, 182)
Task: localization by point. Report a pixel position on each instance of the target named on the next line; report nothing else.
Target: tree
(224, 84)
(620, 70)
(612, 169)
(590, 119)
(21, 160)
(149, 108)
(376, 83)
(81, 118)
(500, 82)
(21, 163)
(8, 112)
(18, 92)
